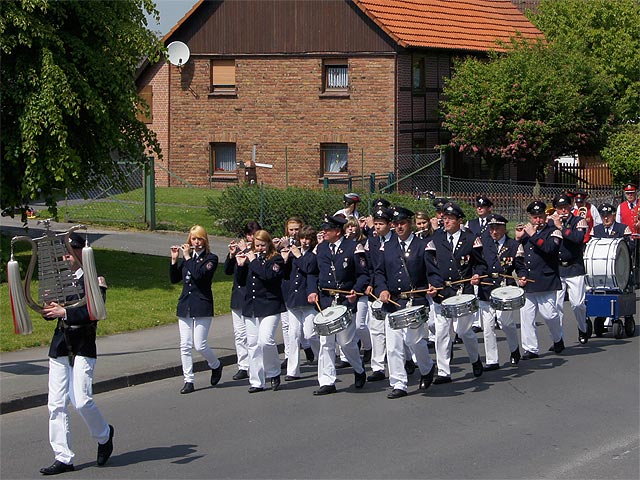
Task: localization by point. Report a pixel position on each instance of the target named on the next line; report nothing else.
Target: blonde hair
(264, 236)
(199, 232)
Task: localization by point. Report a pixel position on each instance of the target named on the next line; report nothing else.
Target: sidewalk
(123, 359)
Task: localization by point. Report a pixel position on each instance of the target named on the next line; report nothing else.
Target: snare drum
(411, 317)
(459, 305)
(376, 310)
(332, 320)
(607, 263)
(507, 298)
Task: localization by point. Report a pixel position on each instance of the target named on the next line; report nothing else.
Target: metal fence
(420, 176)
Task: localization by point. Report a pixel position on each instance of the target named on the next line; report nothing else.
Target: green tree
(68, 98)
(623, 153)
(540, 100)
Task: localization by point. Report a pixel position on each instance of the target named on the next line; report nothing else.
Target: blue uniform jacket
(445, 265)
(196, 299)
(391, 275)
(237, 291)
(346, 271)
(619, 230)
(498, 263)
(78, 333)
(263, 282)
(538, 260)
(297, 271)
(572, 247)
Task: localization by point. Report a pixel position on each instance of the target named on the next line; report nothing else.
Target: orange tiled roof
(449, 24)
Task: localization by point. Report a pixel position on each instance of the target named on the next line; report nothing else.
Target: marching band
(385, 288)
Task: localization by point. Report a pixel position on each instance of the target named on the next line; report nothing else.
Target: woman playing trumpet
(195, 305)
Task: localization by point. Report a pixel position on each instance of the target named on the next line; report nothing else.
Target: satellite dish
(178, 53)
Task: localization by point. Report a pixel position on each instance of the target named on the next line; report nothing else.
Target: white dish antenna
(178, 53)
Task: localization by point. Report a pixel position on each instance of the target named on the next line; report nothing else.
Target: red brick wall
(278, 106)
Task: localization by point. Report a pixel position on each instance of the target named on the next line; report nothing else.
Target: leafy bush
(271, 207)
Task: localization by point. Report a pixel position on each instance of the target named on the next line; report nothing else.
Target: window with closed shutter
(223, 76)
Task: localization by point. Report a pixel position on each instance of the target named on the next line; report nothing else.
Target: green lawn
(139, 296)
(177, 209)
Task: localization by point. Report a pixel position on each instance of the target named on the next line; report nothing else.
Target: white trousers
(412, 338)
(300, 329)
(263, 351)
(73, 384)
(362, 326)
(547, 304)
(284, 319)
(445, 329)
(577, 293)
(378, 343)
(240, 339)
(506, 320)
(327, 355)
(193, 334)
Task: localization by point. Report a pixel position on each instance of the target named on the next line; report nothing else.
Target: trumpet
(550, 211)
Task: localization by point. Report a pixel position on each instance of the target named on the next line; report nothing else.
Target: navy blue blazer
(618, 230)
(391, 274)
(237, 291)
(78, 333)
(196, 299)
(346, 271)
(263, 282)
(570, 255)
(445, 265)
(474, 227)
(498, 263)
(538, 260)
(297, 271)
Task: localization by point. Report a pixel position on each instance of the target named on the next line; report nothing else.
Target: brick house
(312, 88)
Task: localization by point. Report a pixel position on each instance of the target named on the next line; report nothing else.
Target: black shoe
(366, 356)
(290, 378)
(409, 367)
(558, 346)
(426, 380)
(216, 375)
(515, 356)
(431, 344)
(325, 390)
(491, 366)
(439, 380)
(256, 389)
(57, 467)
(360, 379)
(283, 365)
(342, 364)
(396, 393)
(188, 388)
(275, 383)
(457, 340)
(308, 353)
(105, 449)
(477, 367)
(529, 355)
(241, 375)
(583, 338)
(476, 329)
(376, 376)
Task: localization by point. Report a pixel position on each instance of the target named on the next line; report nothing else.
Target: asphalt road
(574, 415)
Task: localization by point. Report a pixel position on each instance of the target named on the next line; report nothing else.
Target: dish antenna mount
(178, 54)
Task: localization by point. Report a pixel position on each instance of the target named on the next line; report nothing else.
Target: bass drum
(607, 263)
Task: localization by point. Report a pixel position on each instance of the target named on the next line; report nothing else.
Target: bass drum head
(607, 263)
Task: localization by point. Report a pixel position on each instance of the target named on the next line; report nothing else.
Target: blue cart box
(606, 304)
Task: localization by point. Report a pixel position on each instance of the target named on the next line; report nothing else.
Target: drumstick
(318, 305)
(346, 292)
(514, 279)
(390, 301)
(486, 283)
